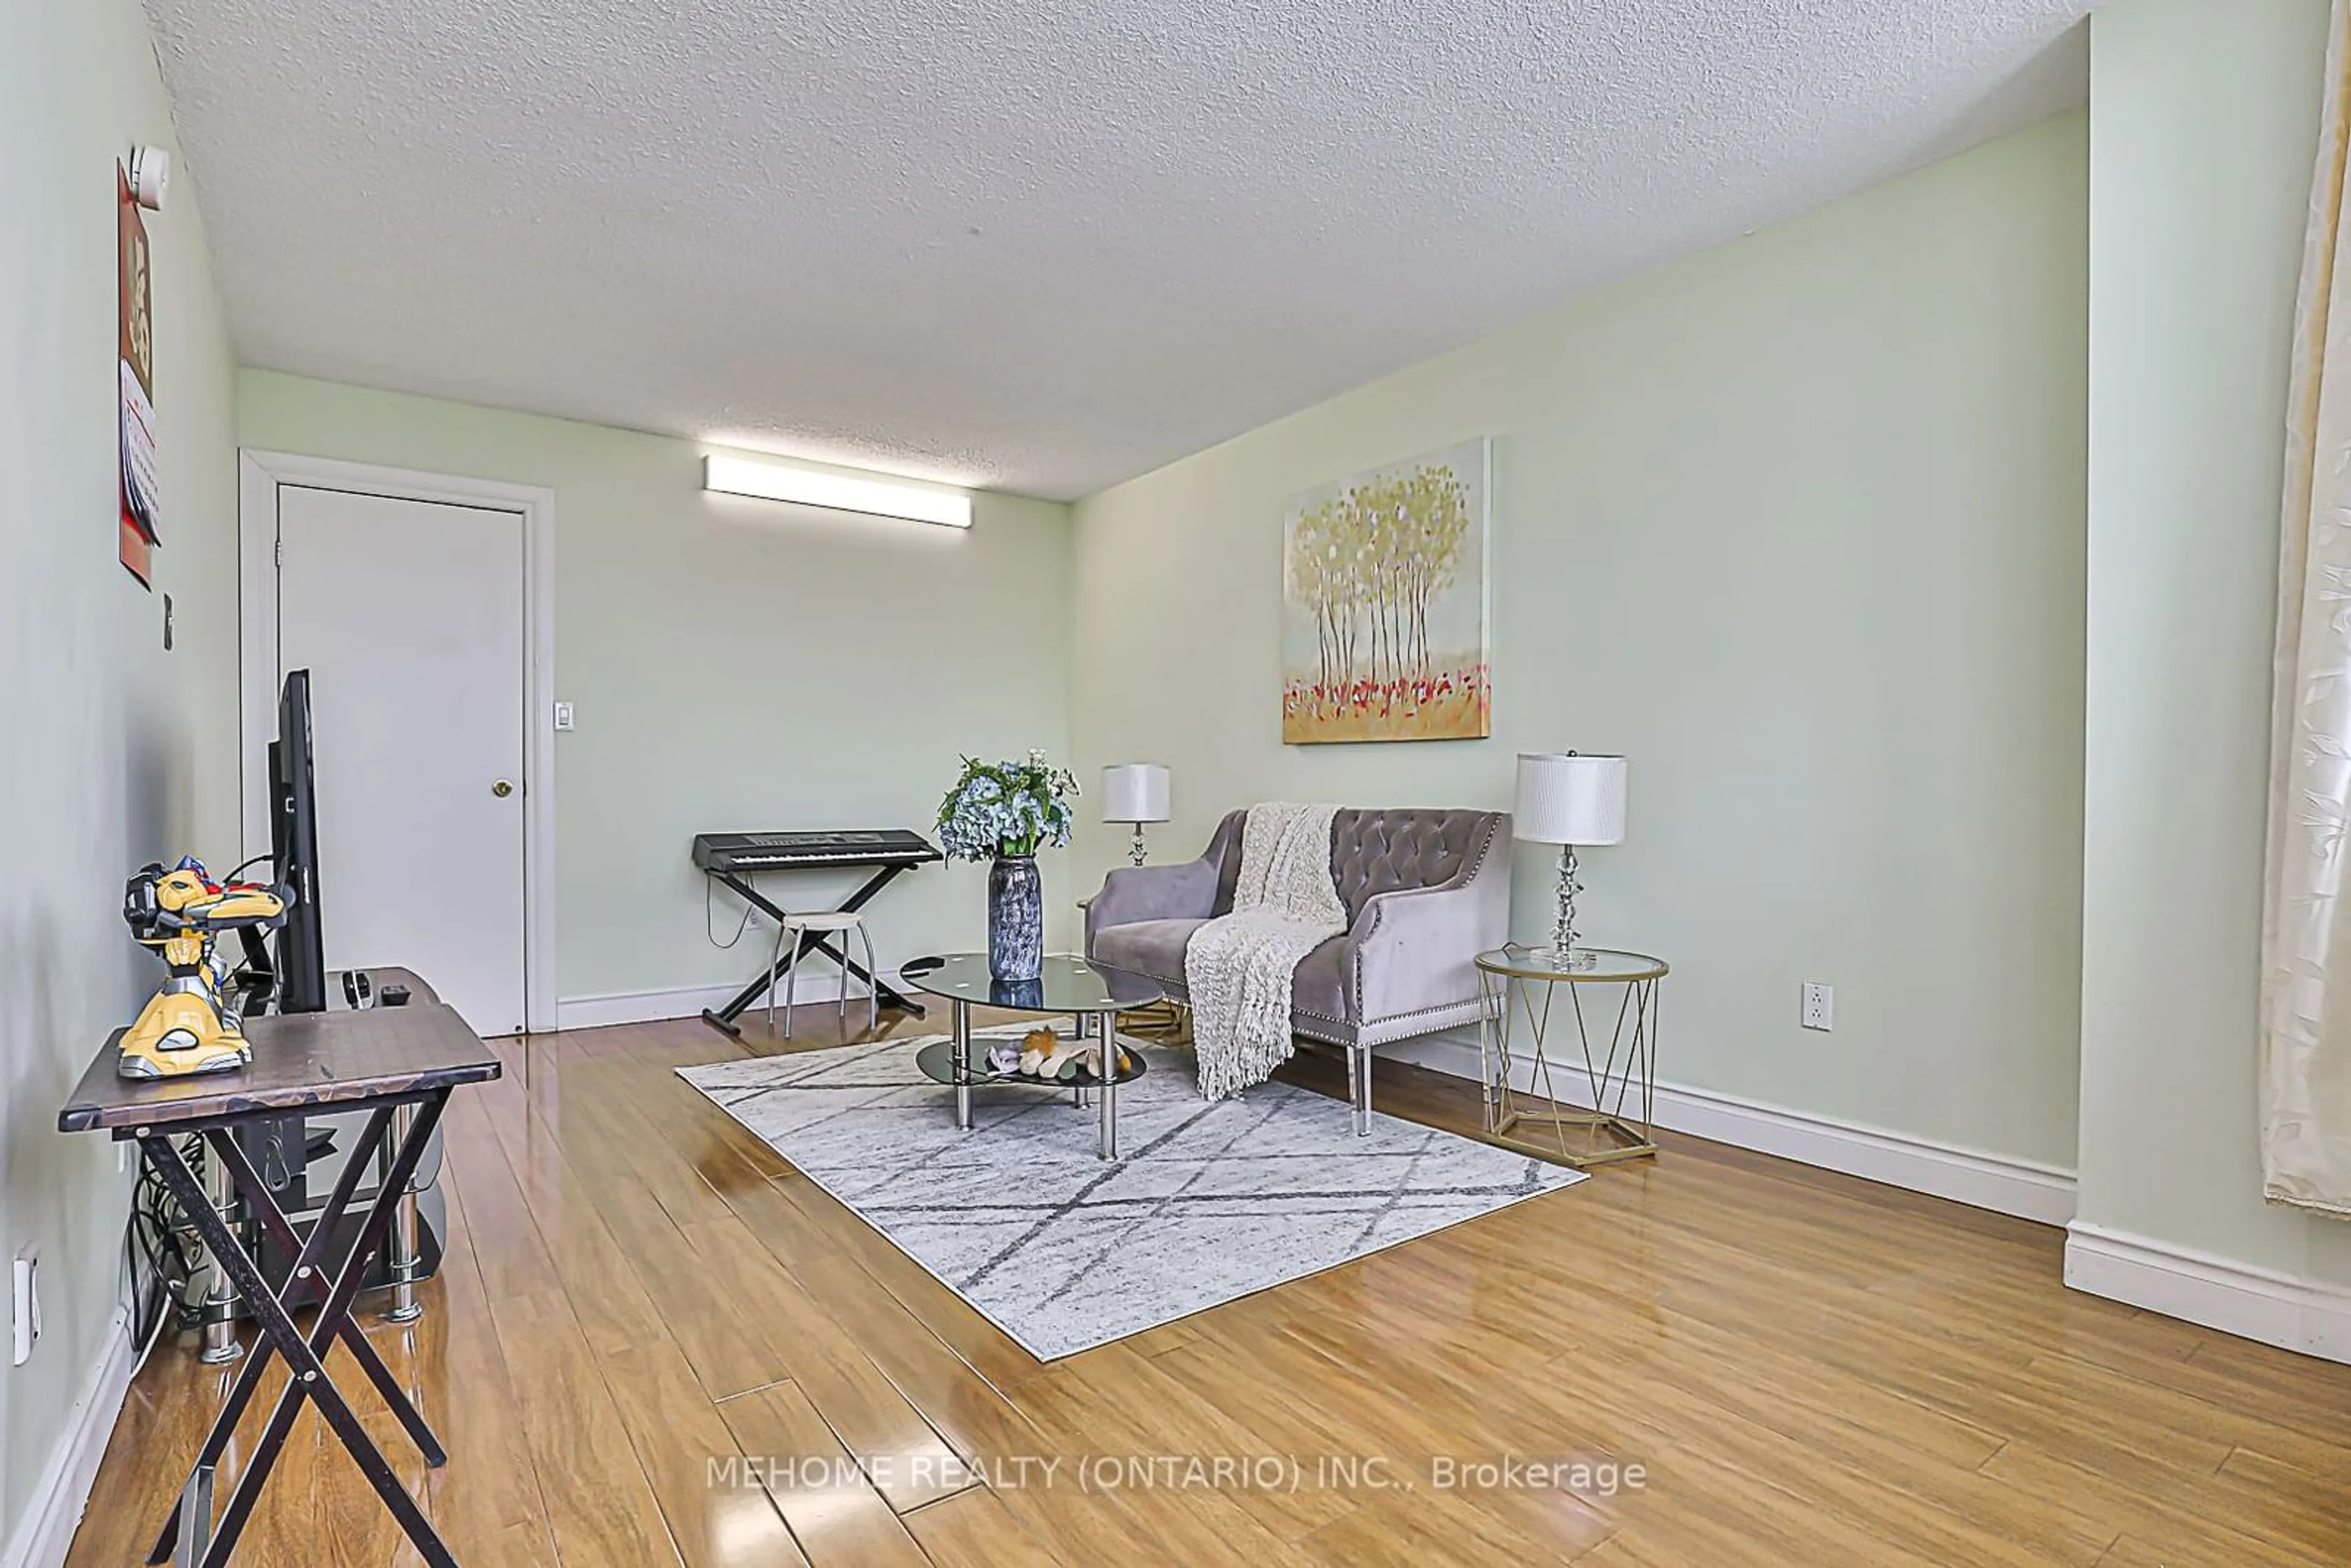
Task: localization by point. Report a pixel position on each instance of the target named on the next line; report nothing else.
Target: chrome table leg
(962, 1031)
(1106, 1037)
(220, 1304)
(1493, 1042)
(401, 1260)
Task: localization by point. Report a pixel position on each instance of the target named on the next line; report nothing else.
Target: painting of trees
(1384, 584)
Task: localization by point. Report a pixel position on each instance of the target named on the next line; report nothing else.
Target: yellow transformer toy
(186, 1027)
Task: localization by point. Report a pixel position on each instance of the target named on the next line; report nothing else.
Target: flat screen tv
(294, 847)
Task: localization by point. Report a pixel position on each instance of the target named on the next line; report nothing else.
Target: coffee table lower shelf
(937, 1063)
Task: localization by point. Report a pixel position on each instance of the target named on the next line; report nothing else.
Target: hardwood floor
(655, 1343)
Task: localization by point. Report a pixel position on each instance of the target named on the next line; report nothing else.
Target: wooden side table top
(300, 1061)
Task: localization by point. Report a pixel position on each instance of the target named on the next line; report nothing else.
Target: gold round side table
(1518, 985)
(1167, 1019)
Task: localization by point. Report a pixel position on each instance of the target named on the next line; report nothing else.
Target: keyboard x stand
(809, 942)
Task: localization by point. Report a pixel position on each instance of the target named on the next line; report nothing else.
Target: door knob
(502, 789)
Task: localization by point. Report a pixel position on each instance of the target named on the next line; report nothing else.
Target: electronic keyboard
(742, 852)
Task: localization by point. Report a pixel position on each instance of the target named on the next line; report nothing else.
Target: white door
(409, 616)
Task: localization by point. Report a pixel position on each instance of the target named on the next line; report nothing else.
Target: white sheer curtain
(2305, 930)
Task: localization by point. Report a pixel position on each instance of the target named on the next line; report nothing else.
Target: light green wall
(738, 664)
(117, 752)
(1798, 524)
(2204, 122)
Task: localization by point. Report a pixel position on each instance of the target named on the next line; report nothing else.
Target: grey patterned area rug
(1064, 1251)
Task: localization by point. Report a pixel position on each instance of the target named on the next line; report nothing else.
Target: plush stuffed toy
(1094, 1061)
(1044, 1054)
(1035, 1047)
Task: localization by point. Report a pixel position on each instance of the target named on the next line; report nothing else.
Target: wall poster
(135, 351)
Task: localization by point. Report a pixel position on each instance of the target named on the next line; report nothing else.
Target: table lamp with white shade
(1136, 793)
(1569, 800)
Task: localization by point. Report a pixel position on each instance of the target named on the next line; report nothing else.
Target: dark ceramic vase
(1016, 919)
(1026, 995)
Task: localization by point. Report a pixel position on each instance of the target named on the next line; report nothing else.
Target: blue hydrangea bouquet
(1000, 810)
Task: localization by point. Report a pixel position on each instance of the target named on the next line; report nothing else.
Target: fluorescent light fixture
(836, 492)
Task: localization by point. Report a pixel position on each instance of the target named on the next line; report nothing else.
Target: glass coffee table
(1095, 994)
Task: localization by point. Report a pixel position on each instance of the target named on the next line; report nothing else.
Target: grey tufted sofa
(1425, 892)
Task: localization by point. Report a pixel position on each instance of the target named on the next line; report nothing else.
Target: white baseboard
(2000, 1182)
(53, 1512)
(688, 1001)
(2218, 1293)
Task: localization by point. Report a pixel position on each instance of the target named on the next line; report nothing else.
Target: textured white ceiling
(1034, 245)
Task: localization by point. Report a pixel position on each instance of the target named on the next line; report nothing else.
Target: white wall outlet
(1819, 1010)
(25, 1318)
(563, 715)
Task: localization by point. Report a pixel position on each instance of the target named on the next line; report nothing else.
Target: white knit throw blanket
(1238, 968)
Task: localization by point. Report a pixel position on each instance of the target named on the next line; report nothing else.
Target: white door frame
(260, 473)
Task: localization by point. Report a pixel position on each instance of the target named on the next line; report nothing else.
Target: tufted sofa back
(1379, 851)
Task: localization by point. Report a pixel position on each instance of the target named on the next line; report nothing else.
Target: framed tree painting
(1384, 603)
